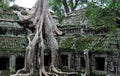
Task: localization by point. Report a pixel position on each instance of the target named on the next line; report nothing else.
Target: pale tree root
(22, 72)
(44, 25)
(43, 72)
(28, 74)
(54, 70)
(56, 73)
(28, 68)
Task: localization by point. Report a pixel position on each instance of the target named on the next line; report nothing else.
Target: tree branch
(66, 6)
(76, 3)
(71, 5)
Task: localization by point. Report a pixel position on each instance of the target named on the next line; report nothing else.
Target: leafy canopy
(4, 4)
(103, 14)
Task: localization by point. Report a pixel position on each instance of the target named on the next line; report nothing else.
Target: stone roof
(102, 41)
(10, 43)
(10, 37)
(10, 28)
(71, 40)
(9, 16)
(74, 18)
(95, 43)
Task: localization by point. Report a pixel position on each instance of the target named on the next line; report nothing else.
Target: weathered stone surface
(74, 18)
(71, 44)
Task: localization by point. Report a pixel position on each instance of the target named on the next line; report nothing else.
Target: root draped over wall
(44, 29)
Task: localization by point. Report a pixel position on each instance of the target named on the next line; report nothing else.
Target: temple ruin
(104, 48)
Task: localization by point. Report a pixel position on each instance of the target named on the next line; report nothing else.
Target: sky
(24, 3)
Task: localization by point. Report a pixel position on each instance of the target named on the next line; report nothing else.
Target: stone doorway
(19, 63)
(4, 63)
(100, 63)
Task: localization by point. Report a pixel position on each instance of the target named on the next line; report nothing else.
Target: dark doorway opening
(47, 60)
(3, 31)
(4, 63)
(19, 63)
(64, 60)
(82, 62)
(100, 63)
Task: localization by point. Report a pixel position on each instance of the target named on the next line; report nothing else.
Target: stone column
(12, 63)
(92, 62)
(69, 58)
(77, 62)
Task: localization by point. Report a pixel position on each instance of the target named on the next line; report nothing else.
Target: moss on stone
(82, 43)
(98, 47)
(12, 43)
(67, 43)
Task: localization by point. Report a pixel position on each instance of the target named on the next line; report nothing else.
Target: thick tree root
(45, 28)
(22, 72)
(42, 72)
(28, 74)
(60, 72)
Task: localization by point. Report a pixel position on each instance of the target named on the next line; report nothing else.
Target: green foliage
(59, 7)
(104, 15)
(56, 6)
(10, 43)
(12, 70)
(99, 46)
(67, 43)
(82, 43)
(36, 74)
(113, 4)
(4, 7)
(78, 74)
(4, 4)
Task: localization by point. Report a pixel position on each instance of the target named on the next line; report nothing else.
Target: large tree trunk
(44, 31)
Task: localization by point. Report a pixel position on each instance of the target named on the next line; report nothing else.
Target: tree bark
(45, 28)
(87, 63)
(66, 6)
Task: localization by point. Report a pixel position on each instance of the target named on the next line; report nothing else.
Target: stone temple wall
(103, 49)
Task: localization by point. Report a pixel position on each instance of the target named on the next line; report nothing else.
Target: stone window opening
(19, 63)
(64, 60)
(100, 63)
(4, 63)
